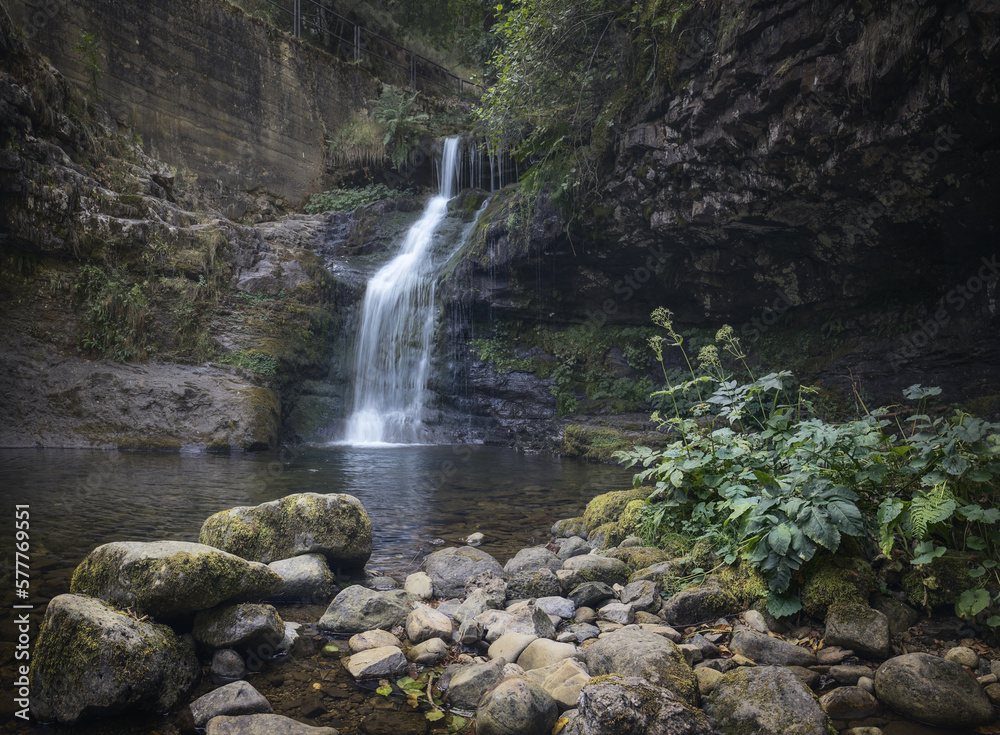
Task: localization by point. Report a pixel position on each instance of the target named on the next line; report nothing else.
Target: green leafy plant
(87, 48)
(753, 473)
(403, 127)
(256, 362)
(419, 693)
(116, 318)
(345, 200)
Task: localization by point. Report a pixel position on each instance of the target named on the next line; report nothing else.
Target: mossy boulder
(91, 660)
(639, 557)
(606, 536)
(743, 582)
(169, 578)
(858, 627)
(593, 568)
(704, 603)
(532, 584)
(608, 507)
(335, 525)
(667, 575)
(647, 655)
(766, 700)
(597, 445)
(937, 583)
(833, 579)
(569, 527)
(630, 520)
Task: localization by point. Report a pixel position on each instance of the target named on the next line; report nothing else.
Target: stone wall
(245, 108)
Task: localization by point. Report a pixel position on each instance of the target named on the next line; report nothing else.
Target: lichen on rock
(168, 578)
(335, 525)
(91, 660)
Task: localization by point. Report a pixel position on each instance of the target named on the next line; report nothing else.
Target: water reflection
(414, 496)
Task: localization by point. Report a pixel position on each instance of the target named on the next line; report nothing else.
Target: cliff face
(130, 317)
(836, 161)
(820, 174)
(243, 109)
(828, 151)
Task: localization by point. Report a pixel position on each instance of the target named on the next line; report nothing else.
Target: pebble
(707, 679)
(833, 655)
(849, 703)
(755, 620)
(964, 657)
(993, 693)
(849, 675)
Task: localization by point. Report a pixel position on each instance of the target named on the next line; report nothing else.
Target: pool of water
(419, 498)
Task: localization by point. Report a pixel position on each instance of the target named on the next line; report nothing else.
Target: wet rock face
(800, 170)
(271, 145)
(806, 140)
(53, 400)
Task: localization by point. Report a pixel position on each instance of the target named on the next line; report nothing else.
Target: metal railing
(355, 43)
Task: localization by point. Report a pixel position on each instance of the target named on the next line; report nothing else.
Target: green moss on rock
(639, 557)
(608, 535)
(265, 409)
(745, 583)
(631, 518)
(168, 578)
(91, 660)
(937, 583)
(609, 507)
(335, 525)
(596, 445)
(568, 527)
(835, 579)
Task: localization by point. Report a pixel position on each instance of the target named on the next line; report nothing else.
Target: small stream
(418, 497)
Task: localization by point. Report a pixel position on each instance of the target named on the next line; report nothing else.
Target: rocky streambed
(260, 628)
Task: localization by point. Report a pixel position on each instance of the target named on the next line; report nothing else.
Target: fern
(929, 509)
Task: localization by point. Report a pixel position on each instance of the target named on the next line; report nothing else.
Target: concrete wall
(213, 91)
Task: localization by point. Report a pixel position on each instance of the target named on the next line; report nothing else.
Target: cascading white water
(397, 328)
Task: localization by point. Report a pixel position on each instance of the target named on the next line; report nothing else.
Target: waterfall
(397, 329)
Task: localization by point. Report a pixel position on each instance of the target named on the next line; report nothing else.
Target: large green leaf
(780, 538)
(783, 605)
(972, 602)
(847, 517)
(888, 511)
(925, 552)
(821, 530)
